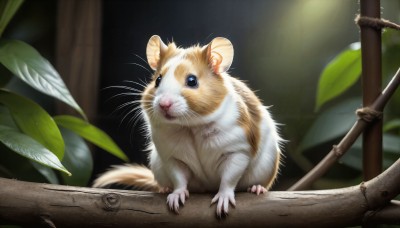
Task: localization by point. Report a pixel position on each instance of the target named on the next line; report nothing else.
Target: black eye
(158, 80)
(191, 81)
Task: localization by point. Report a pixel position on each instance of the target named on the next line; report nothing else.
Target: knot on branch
(375, 23)
(337, 150)
(111, 201)
(368, 114)
(363, 190)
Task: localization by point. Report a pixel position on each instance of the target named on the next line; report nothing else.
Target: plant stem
(372, 84)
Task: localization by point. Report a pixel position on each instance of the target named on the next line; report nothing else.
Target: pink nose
(165, 104)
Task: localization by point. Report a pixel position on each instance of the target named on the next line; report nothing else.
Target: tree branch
(389, 214)
(31, 204)
(348, 140)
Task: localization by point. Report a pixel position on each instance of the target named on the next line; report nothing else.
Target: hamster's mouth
(168, 116)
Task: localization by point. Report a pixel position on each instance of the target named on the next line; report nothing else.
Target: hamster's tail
(137, 176)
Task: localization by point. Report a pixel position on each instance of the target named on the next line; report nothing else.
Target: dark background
(280, 49)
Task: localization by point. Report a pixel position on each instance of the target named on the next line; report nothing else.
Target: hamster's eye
(158, 80)
(191, 81)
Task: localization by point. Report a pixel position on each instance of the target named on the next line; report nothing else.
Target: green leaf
(13, 165)
(331, 124)
(5, 76)
(391, 125)
(46, 172)
(340, 74)
(91, 133)
(6, 118)
(34, 121)
(78, 159)
(29, 148)
(27, 64)
(8, 9)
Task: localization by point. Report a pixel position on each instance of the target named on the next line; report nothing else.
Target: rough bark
(65, 206)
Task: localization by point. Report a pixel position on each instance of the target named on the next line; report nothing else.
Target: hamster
(209, 132)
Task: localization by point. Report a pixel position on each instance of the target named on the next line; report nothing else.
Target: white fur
(191, 152)
(207, 153)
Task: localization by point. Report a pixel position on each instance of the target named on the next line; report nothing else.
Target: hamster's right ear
(219, 54)
(154, 51)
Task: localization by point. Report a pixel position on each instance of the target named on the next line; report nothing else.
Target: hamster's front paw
(257, 189)
(224, 197)
(178, 195)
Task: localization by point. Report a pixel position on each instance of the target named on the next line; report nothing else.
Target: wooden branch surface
(64, 206)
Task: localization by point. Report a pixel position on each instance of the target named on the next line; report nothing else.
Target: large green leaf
(46, 172)
(7, 10)
(331, 124)
(34, 121)
(340, 74)
(6, 118)
(91, 133)
(13, 165)
(5, 76)
(20, 167)
(29, 148)
(78, 159)
(27, 64)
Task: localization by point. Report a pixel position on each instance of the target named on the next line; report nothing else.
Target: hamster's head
(188, 84)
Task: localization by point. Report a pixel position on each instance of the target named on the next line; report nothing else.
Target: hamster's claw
(173, 199)
(224, 198)
(257, 189)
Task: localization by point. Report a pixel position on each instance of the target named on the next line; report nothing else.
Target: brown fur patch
(250, 114)
(211, 91)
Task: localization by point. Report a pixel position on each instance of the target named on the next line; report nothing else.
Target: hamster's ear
(154, 51)
(219, 54)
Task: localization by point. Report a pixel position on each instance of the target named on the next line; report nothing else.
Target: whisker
(135, 119)
(137, 64)
(122, 111)
(144, 82)
(141, 85)
(128, 103)
(123, 94)
(123, 87)
(127, 114)
(141, 59)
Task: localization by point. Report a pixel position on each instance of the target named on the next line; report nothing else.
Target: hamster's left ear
(219, 54)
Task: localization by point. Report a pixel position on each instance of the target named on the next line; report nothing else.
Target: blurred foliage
(337, 118)
(33, 143)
